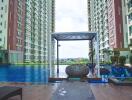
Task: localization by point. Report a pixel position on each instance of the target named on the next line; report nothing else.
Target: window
(19, 42)
(26, 50)
(120, 28)
(2, 0)
(130, 30)
(5, 24)
(130, 16)
(124, 3)
(1, 16)
(125, 19)
(130, 41)
(1, 8)
(0, 39)
(18, 48)
(5, 8)
(1, 23)
(19, 33)
(19, 26)
(0, 31)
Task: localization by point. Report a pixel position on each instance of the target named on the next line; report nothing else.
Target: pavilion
(72, 36)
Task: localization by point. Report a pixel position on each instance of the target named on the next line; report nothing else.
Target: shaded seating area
(6, 92)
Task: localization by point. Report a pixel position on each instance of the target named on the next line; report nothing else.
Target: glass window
(1, 8)
(130, 30)
(5, 24)
(1, 16)
(5, 8)
(0, 31)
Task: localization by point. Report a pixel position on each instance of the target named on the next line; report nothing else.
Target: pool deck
(101, 91)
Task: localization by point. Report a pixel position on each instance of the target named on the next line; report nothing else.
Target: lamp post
(58, 45)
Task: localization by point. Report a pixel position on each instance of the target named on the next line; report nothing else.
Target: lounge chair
(7, 92)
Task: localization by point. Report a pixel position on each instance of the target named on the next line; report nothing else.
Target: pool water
(33, 74)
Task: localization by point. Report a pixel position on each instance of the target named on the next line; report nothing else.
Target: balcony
(130, 10)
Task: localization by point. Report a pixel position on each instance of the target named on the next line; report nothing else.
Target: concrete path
(73, 91)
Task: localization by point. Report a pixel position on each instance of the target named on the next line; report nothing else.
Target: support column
(92, 51)
(97, 55)
(57, 57)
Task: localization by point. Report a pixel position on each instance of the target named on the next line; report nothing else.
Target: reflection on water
(62, 72)
(28, 73)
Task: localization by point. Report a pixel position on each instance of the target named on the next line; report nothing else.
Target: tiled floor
(111, 92)
(34, 92)
(101, 91)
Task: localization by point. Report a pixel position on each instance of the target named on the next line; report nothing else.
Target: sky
(71, 16)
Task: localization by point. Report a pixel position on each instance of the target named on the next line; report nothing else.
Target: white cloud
(71, 15)
(73, 49)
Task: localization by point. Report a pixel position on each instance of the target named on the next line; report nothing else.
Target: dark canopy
(67, 36)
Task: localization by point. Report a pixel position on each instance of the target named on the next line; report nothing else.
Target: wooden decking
(111, 92)
(101, 91)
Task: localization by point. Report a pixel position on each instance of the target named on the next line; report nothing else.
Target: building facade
(125, 22)
(39, 25)
(12, 13)
(109, 20)
(129, 20)
(98, 22)
(25, 30)
(115, 22)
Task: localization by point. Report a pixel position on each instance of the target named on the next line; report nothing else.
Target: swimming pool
(28, 73)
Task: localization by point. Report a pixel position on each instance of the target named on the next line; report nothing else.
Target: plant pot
(77, 70)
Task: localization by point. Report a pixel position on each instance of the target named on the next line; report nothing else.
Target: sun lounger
(7, 92)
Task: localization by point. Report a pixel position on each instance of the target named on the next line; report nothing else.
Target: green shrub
(114, 59)
(122, 60)
(116, 53)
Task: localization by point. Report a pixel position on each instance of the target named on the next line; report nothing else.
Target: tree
(122, 60)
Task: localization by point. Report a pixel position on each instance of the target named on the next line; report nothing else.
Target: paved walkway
(100, 91)
(73, 90)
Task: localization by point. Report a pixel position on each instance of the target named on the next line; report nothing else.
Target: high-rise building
(12, 17)
(115, 22)
(89, 27)
(39, 25)
(89, 3)
(98, 22)
(109, 21)
(129, 20)
(25, 30)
